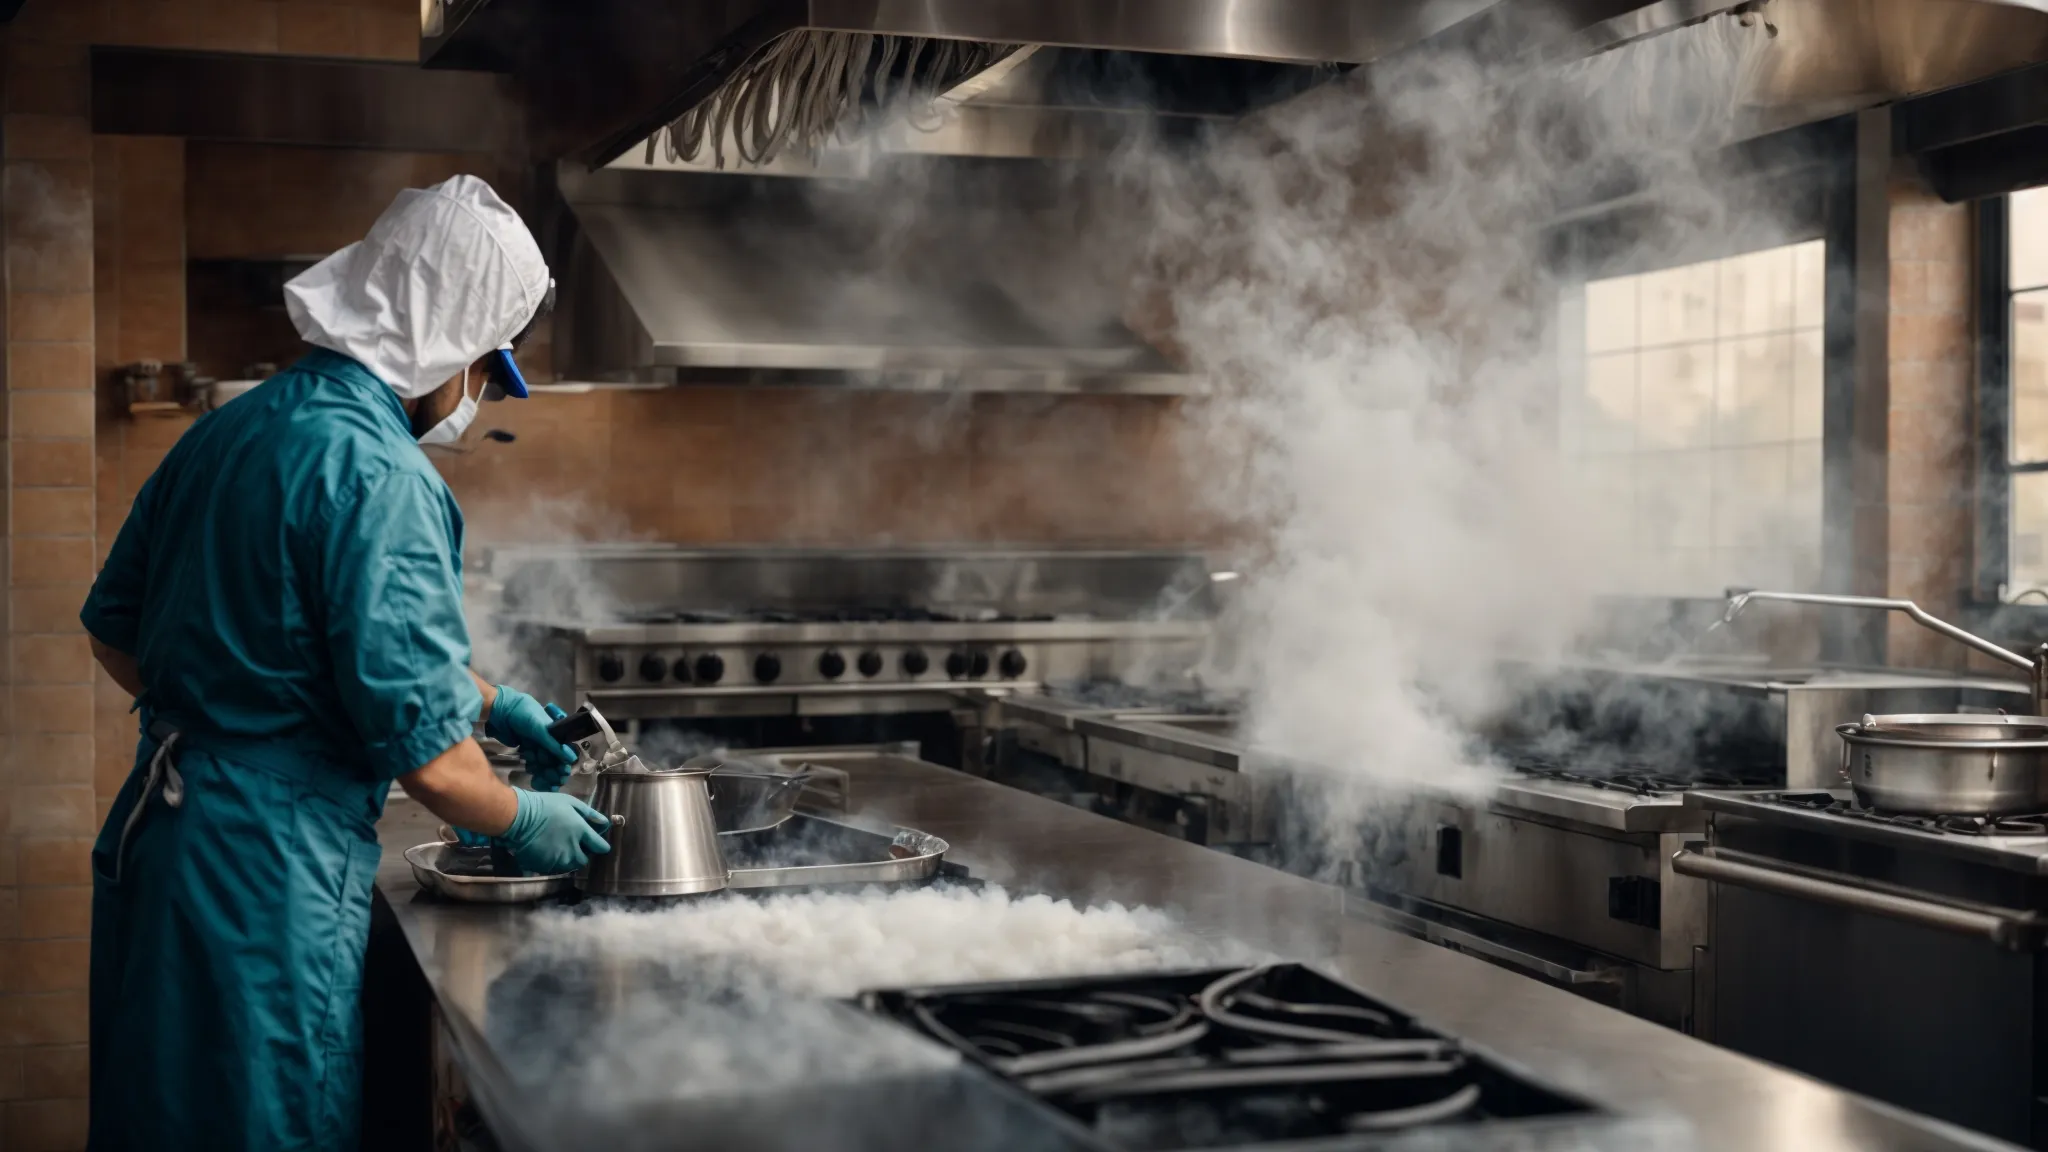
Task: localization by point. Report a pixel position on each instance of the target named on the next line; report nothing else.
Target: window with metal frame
(1691, 406)
(2013, 340)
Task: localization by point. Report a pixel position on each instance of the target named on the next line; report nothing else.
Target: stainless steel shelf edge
(1436, 932)
(1584, 804)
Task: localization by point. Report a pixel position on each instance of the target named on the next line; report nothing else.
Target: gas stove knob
(1013, 665)
(916, 662)
(682, 669)
(710, 668)
(610, 668)
(831, 665)
(956, 664)
(767, 667)
(870, 663)
(977, 665)
(653, 668)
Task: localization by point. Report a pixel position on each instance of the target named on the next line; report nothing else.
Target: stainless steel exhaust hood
(599, 76)
(721, 279)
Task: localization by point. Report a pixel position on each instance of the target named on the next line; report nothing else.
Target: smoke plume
(1370, 275)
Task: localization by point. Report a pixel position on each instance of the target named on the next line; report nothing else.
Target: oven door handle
(2020, 931)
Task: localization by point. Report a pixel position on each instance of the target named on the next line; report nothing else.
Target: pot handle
(2008, 928)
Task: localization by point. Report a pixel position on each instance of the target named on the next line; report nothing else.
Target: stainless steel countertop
(1026, 842)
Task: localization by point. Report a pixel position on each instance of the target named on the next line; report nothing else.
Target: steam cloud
(1369, 274)
(730, 995)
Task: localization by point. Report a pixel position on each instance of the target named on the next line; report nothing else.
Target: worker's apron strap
(163, 771)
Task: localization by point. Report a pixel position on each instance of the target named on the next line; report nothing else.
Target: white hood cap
(446, 274)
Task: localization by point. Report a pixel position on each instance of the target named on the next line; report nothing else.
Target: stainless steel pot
(747, 796)
(1948, 765)
(663, 835)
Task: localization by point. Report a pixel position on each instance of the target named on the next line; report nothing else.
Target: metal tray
(465, 874)
(807, 851)
(801, 852)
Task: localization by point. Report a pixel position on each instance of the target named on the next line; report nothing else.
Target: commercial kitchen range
(1550, 1069)
(1920, 943)
(781, 646)
(1564, 869)
(1025, 667)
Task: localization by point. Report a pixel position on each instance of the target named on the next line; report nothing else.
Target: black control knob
(710, 668)
(956, 664)
(831, 665)
(916, 662)
(977, 665)
(610, 668)
(1013, 665)
(682, 669)
(653, 668)
(767, 667)
(870, 663)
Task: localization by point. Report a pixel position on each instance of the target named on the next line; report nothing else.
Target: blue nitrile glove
(554, 833)
(468, 839)
(519, 720)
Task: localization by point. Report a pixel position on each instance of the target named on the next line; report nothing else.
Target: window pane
(1809, 283)
(1694, 422)
(2030, 238)
(1603, 418)
(1676, 408)
(1678, 305)
(1611, 314)
(1675, 500)
(2029, 539)
(2030, 377)
(1808, 365)
(1753, 391)
(1750, 497)
(1756, 293)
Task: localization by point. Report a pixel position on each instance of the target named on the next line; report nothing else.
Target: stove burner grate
(1637, 779)
(1173, 1061)
(1955, 825)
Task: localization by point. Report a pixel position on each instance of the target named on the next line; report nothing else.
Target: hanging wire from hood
(802, 89)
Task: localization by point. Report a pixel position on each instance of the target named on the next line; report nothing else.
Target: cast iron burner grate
(1222, 1059)
(2029, 825)
(1642, 781)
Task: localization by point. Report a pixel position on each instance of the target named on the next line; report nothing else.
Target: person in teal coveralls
(285, 604)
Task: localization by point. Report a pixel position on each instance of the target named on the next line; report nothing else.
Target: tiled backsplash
(724, 465)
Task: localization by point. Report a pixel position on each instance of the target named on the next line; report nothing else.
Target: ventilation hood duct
(599, 76)
(1821, 58)
(721, 279)
(1835, 56)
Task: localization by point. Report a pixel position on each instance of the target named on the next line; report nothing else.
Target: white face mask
(450, 429)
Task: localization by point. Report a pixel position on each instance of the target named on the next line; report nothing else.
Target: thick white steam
(1368, 272)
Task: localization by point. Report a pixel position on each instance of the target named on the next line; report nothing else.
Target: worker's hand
(555, 833)
(520, 721)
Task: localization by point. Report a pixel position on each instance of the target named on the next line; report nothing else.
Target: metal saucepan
(752, 796)
(1933, 764)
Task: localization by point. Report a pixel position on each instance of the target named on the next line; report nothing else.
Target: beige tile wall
(48, 795)
(1931, 464)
